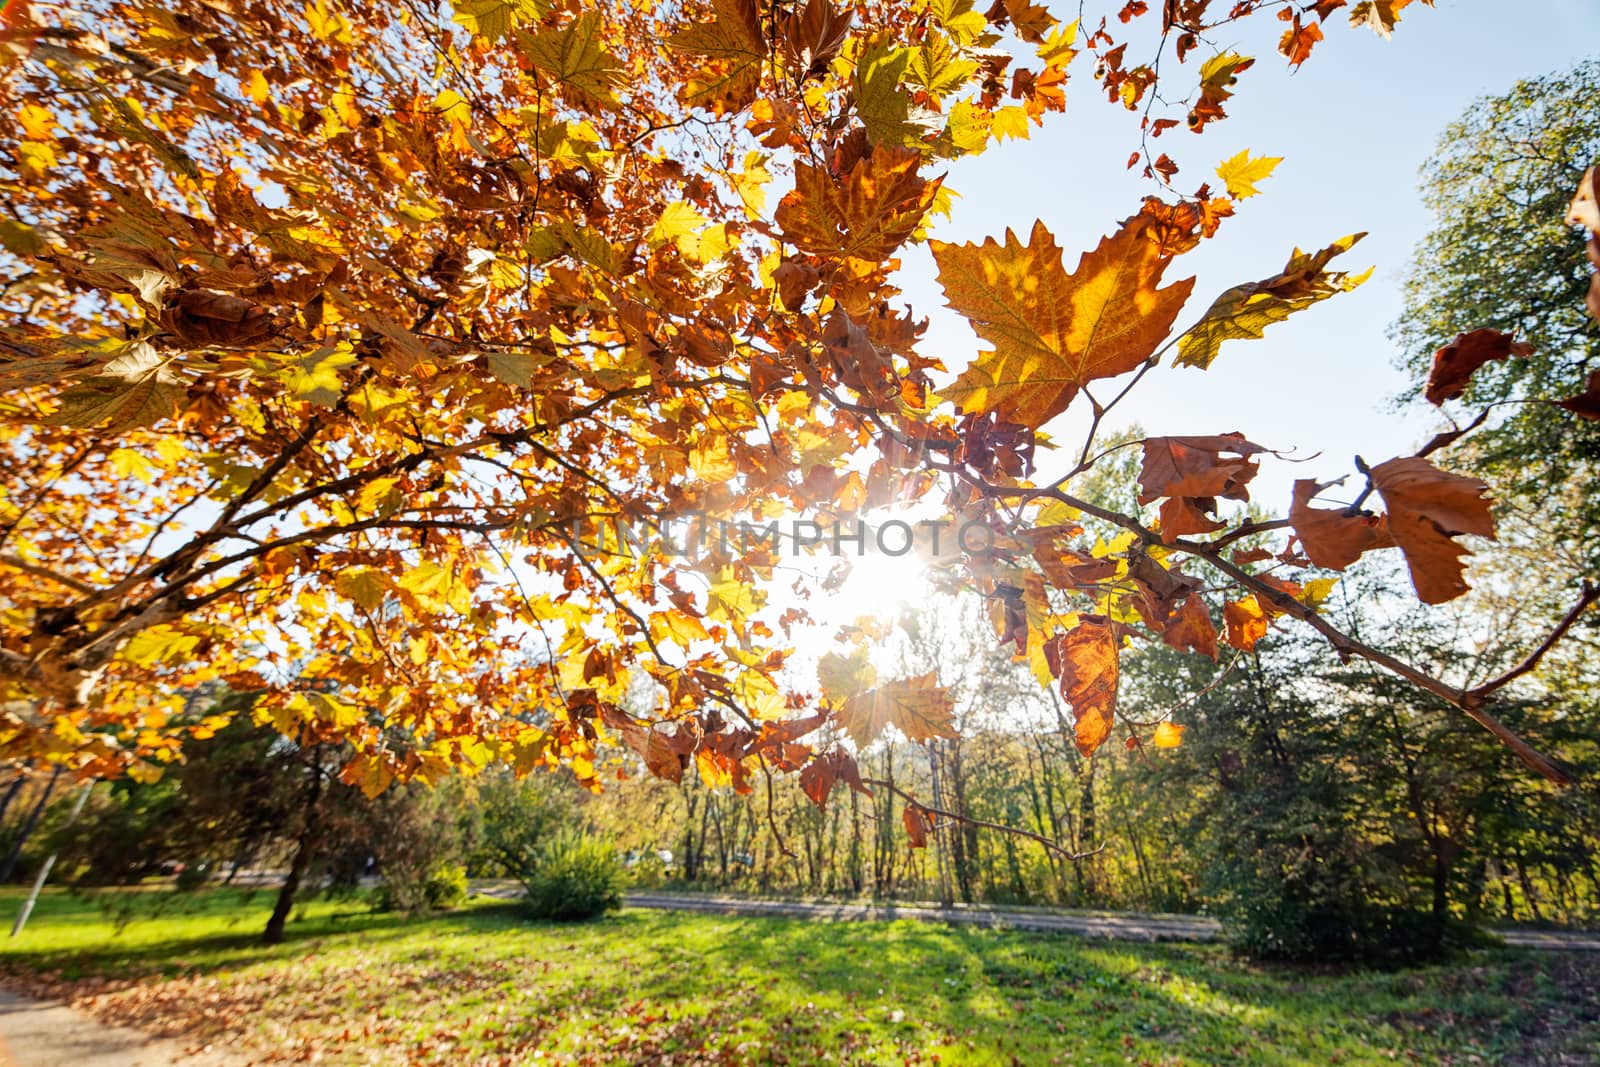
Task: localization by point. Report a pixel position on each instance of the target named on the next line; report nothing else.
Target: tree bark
(28, 825)
(11, 793)
(273, 935)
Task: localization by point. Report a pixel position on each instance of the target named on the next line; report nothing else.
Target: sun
(878, 585)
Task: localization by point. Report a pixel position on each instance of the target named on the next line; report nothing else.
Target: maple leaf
(1378, 15)
(919, 822)
(1240, 173)
(818, 777)
(1085, 660)
(1330, 537)
(1455, 363)
(1032, 21)
(885, 111)
(917, 706)
(812, 37)
(1246, 622)
(1298, 40)
(1427, 508)
(494, 19)
(573, 56)
(1217, 77)
(1194, 467)
(1191, 628)
(1053, 332)
(935, 67)
(138, 388)
(842, 677)
(737, 48)
(1246, 311)
(867, 215)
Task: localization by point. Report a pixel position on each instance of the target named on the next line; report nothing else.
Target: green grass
(482, 985)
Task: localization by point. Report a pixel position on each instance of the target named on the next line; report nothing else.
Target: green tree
(1500, 256)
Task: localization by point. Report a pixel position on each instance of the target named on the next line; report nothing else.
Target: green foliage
(442, 887)
(193, 876)
(511, 819)
(1500, 255)
(578, 876)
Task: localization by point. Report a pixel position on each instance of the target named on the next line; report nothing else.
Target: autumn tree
(347, 346)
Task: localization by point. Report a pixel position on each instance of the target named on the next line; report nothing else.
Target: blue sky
(1353, 125)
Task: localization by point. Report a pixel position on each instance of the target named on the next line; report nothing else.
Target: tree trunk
(273, 935)
(11, 793)
(28, 825)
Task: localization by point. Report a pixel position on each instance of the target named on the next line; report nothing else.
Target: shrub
(577, 876)
(193, 876)
(443, 887)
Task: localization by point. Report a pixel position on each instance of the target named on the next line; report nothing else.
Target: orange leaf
(867, 215)
(1194, 467)
(1455, 363)
(1191, 628)
(1085, 660)
(818, 777)
(1427, 508)
(1168, 735)
(1246, 622)
(1053, 332)
(918, 822)
(1331, 538)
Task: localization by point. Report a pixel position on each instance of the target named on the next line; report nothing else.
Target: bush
(576, 877)
(1374, 935)
(193, 876)
(442, 888)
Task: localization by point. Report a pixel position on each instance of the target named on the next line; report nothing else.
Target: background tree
(1509, 166)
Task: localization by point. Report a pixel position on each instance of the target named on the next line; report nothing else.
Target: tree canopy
(345, 344)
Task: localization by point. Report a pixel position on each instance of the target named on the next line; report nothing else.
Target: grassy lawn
(482, 985)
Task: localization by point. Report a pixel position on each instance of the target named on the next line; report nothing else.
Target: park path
(47, 1033)
(1128, 926)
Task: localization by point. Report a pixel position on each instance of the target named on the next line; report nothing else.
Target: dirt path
(43, 1033)
(1130, 926)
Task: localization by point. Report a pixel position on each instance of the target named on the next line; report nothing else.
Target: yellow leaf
(917, 707)
(1246, 311)
(144, 772)
(493, 19)
(333, 710)
(454, 107)
(37, 122)
(884, 108)
(573, 57)
(362, 585)
(751, 184)
(677, 220)
(842, 677)
(257, 87)
(159, 644)
(1240, 173)
(1011, 122)
(130, 464)
(1168, 735)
